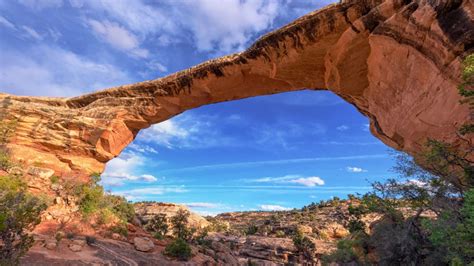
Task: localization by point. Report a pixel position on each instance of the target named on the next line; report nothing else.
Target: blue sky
(263, 153)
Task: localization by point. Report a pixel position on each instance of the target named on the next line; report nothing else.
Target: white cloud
(224, 27)
(342, 128)
(266, 207)
(145, 193)
(208, 205)
(229, 25)
(281, 133)
(30, 32)
(118, 37)
(308, 181)
(142, 148)
(154, 65)
(311, 181)
(417, 183)
(41, 4)
(52, 71)
(186, 131)
(279, 162)
(6, 23)
(366, 127)
(355, 169)
(121, 168)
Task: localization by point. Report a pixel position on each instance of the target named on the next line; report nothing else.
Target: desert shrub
(280, 233)
(304, 245)
(90, 240)
(54, 179)
(455, 240)
(180, 225)
(94, 200)
(158, 225)
(343, 254)
(217, 226)
(201, 237)
(251, 230)
(5, 162)
(178, 249)
(121, 207)
(19, 213)
(7, 130)
(120, 229)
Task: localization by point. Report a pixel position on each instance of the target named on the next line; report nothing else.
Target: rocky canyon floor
(236, 238)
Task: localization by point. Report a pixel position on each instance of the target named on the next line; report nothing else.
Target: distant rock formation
(145, 211)
(397, 61)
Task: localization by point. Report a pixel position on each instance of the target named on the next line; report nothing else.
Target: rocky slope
(397, 61)
(147, 210)
(230, 240)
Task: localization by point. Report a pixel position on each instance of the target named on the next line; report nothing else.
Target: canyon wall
(397, 61)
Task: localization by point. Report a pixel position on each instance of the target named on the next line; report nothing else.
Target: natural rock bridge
(397, 61)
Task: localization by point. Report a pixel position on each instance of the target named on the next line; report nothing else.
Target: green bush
(251, 230)
(180, 225)
(120, 229)
(94, 200)
(280, 233)
(304, 245)
(5, 163)
(19, 213)
(158, 225)
(178, 249)
(455, 240)
(54, 179)
(343, 254)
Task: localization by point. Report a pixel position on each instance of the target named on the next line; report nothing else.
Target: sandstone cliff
(147, 210)
(397, 61)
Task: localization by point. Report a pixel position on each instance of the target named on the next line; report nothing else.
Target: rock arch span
(397, 61)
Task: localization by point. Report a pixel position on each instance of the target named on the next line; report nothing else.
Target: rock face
(147, 210)
(397, 61)
(143, 244)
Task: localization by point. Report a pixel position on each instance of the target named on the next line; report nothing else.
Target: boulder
(43, 173)
(51, 245)
(143, 244)
(75, 248)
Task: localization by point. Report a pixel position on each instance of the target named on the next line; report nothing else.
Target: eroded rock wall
(397, 61)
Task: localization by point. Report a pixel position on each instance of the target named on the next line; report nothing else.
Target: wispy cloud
(187, 131)
(53, 71)
(146, 193)
(277, 162)
(310, 181)
(30, 32)
(41, 4)
(142, 148)
(269, 207)
(6, 23)
(354, 169)
(122, 168)
(118, 37)
(282, 133)
(342, 127)
(207, 205)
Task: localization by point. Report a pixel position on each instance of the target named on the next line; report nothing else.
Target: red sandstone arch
(397, 61)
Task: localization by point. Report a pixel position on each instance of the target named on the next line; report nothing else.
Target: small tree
(179, 249)
(158, 225)
(304, 245)
(19, 213)
(180, 224)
